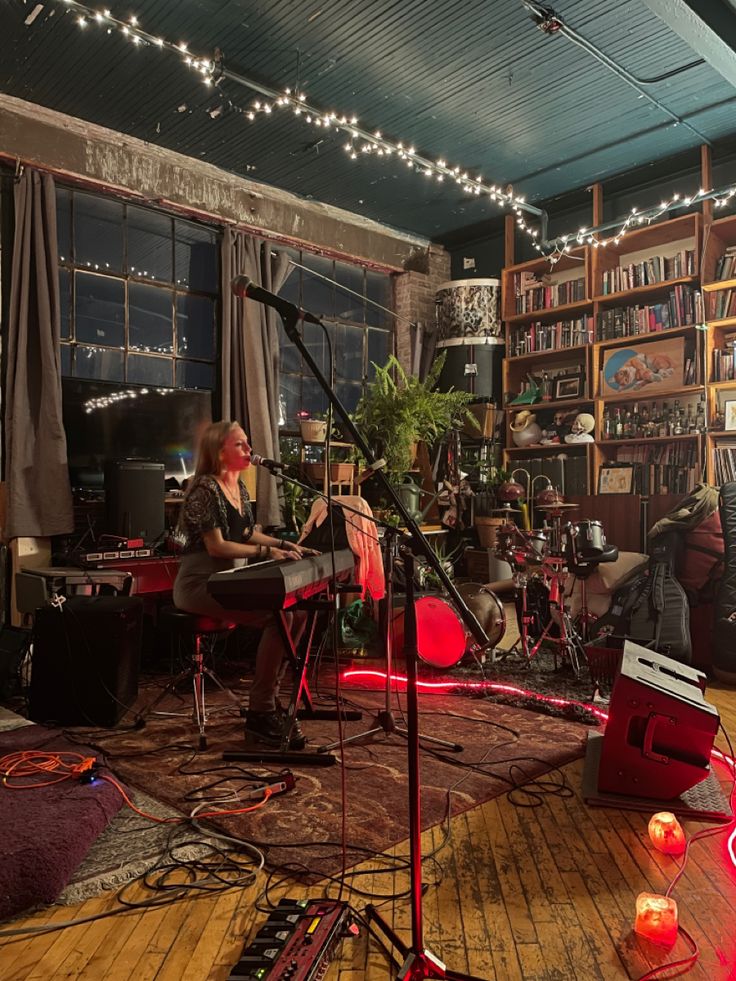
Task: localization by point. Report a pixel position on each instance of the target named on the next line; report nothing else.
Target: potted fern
(399, 410)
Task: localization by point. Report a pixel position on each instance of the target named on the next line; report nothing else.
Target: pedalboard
(297, 942)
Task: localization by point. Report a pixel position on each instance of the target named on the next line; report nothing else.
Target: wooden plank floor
(543, 894)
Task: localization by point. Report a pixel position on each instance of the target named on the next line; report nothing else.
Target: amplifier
(297, 941)
(86, 654)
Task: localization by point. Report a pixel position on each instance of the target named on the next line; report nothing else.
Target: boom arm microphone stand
(419, 963)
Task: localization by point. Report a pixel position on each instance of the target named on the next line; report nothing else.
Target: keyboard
(278, 585)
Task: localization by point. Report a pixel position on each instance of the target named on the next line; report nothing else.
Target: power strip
(112, 555)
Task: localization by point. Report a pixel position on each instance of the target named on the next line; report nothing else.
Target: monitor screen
(111, 421)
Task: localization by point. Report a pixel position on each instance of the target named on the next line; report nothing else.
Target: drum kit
(541, 560)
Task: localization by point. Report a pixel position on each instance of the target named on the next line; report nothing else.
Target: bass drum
(487, 608)
(440, 632)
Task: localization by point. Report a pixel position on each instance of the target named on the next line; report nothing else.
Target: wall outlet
(468, 262)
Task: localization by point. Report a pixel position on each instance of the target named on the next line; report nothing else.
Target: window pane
(194, 374)
(349, 394)
(145, 370)
(290, 401)
(314, 341)
(150, 319)
(64, 224)
(379, 348)
(150, 244)
(318, 295)
(66, 359)
(195, 254)
(291, 288)
(379, 288)
(313, 398)
(348, 306)
(65, 302)
(94, 362)
(99, 309)
(291, 358)
(195, 326)
(98, 233)
(348, 352)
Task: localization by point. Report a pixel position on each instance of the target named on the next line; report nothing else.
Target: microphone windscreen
(240, 285)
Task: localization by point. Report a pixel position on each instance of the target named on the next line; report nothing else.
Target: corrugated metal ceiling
(473, 82)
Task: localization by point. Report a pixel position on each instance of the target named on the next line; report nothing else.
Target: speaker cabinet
(472, 367)
(86, 656)
(660, 729)
(134, 496)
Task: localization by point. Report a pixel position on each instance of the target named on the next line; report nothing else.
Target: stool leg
(200, 714)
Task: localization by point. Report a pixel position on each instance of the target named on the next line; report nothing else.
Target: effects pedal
(297, 941)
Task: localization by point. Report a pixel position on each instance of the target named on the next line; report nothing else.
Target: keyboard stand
(299, 693)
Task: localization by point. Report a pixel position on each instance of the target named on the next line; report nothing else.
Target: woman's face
(235, 452)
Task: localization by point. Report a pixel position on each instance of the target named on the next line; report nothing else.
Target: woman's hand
(280, 554)
(300, 550)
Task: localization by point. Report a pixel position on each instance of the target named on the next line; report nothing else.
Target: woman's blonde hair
(210, 445)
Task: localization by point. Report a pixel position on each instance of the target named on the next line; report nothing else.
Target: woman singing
(217, 524)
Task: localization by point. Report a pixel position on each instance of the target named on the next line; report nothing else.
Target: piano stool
(198, 635)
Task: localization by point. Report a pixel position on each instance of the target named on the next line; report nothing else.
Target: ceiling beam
(708, 26)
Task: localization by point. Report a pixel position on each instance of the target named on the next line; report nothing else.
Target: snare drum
(586, 539)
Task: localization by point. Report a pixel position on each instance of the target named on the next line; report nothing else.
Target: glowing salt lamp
(656, 918)
(666, 834)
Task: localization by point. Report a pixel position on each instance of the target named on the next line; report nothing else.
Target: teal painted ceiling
(475, 83)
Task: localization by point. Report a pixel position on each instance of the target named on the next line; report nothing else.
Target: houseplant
(398, 410)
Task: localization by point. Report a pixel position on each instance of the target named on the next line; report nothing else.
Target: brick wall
(415, 293)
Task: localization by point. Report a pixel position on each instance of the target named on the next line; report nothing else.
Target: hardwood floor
(543, 894)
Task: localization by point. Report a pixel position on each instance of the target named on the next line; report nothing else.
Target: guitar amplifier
(86, 657)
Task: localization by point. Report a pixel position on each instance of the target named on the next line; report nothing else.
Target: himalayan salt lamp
(656, 918)
(666, 834)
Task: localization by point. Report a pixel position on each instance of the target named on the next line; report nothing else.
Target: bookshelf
(645, 360)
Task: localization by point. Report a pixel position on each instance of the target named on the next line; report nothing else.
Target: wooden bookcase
(641, 290)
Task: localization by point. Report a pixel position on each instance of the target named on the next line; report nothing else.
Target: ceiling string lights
(361, 143)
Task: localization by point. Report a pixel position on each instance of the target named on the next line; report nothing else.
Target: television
(114, 421)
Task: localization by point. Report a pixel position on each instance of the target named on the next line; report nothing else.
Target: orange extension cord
(22, 771)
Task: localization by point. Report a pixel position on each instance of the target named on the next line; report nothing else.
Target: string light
(362, 143)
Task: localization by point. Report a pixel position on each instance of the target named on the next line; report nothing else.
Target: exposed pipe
(557, 25)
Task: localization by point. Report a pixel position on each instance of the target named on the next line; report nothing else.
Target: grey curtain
(39, 497)
(250, 356)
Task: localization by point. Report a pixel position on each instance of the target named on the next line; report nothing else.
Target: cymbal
(506, 511)
(558, 507)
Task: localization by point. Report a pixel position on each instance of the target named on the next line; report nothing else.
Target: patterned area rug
(503, 747)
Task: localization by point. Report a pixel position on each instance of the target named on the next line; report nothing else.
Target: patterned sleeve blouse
(205, 508)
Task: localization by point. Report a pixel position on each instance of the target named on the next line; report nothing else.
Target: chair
(199, 634)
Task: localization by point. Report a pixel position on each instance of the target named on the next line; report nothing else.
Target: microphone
(260, 461)
(243, 287)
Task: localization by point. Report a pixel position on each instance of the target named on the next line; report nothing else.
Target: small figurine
(557, 430)
(582, 427)
(524, 429)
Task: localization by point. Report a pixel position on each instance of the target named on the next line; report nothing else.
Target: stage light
(656, 918)
(666, 834)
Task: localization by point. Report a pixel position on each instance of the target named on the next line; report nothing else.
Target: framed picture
(616, 478)
(568, 386)
(729, 413)
(647, 366)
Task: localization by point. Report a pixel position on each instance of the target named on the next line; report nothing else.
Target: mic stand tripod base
(385, 722)
(416, 966)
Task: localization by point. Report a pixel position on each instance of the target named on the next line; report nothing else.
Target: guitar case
(651, 608)
(724, 634)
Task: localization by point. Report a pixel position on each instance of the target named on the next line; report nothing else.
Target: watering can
(410, 494)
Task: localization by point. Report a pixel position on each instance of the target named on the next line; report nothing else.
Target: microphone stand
(419, 963)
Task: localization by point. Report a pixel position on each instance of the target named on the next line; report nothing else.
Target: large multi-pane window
(139, 293)
(361, 332)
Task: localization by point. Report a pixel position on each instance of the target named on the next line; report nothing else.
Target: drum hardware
(537, 502)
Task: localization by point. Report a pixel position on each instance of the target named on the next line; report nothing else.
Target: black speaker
(473, 368)
(134, 496)
(86, 656)
(660, 729)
